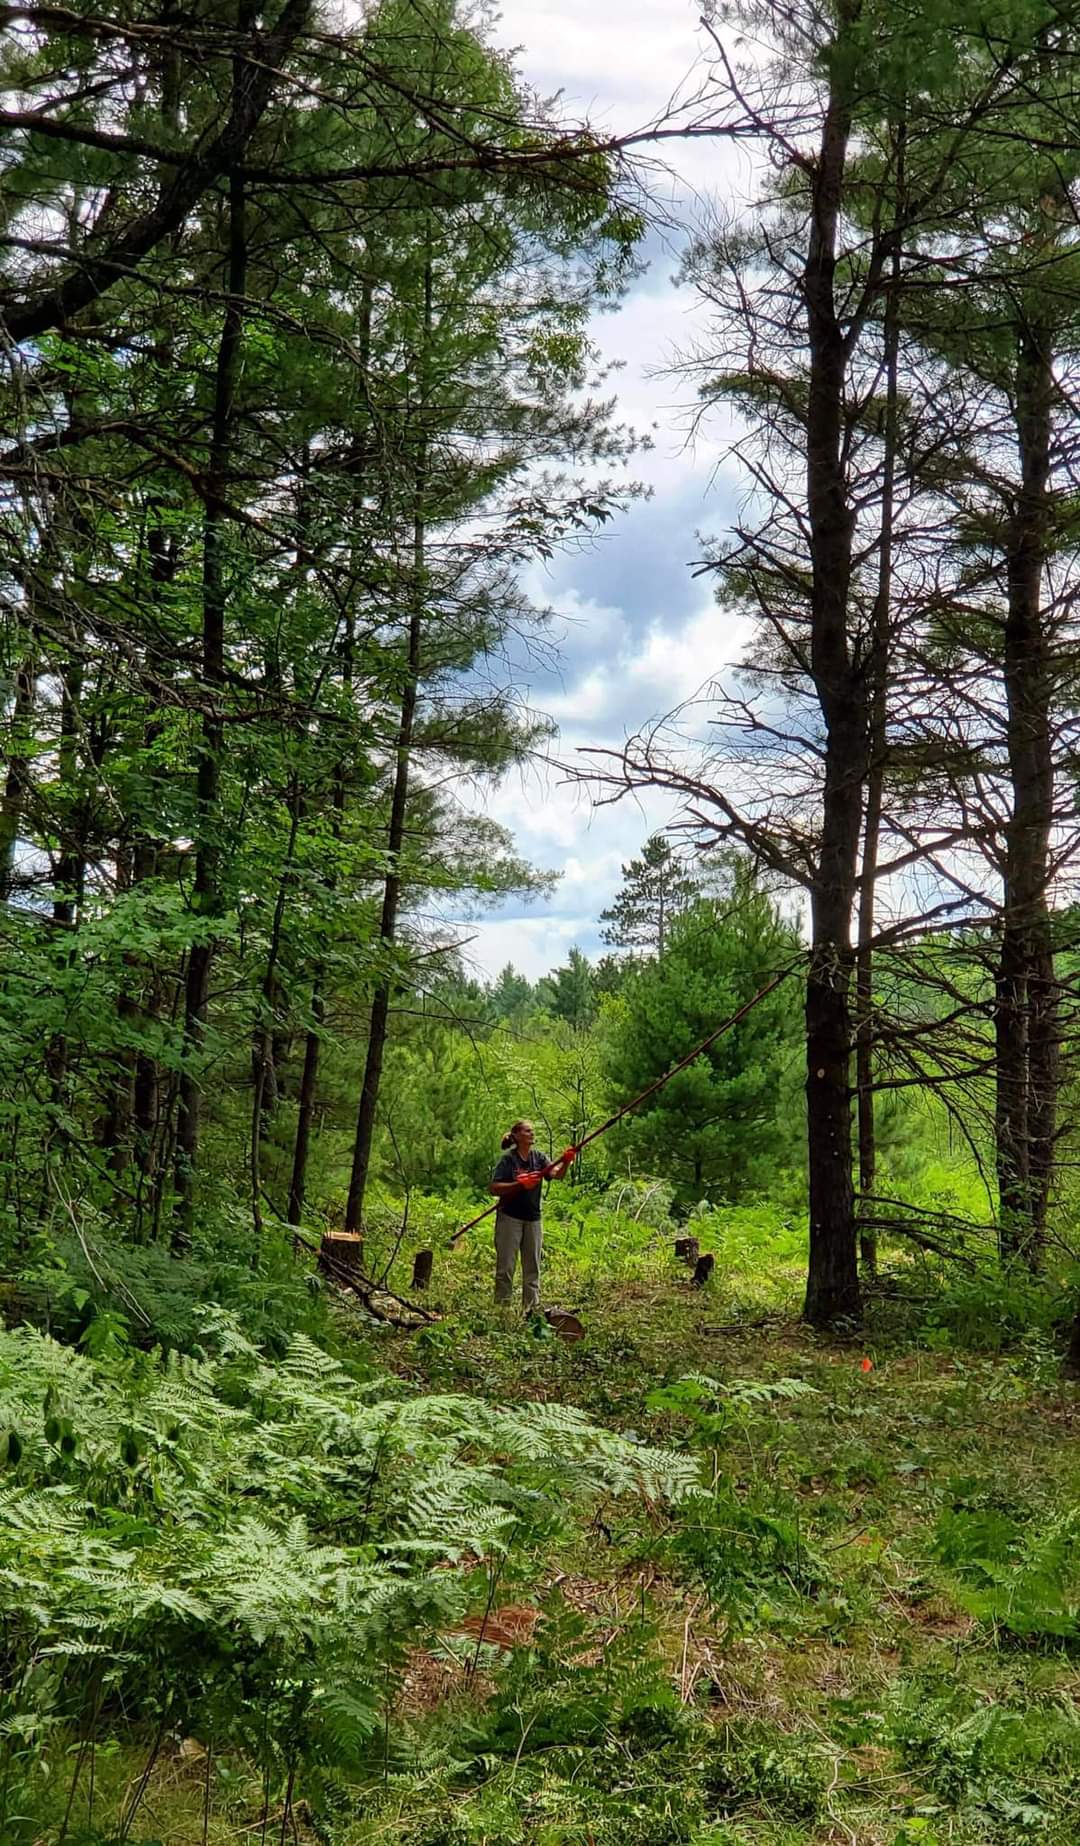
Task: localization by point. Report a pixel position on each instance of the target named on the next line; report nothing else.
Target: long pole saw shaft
(595, 1133)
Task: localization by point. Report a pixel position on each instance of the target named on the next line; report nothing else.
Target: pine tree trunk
(1072, 1357)
(380, 1005)
(115, 1130)
(306, 1110)
(1044, 1076)
(1012, 1147)
(214, 600)
(1026, 1013)
(71, 865)
(880, 643)
(148, 1081)
(309, 1081)
(864, 1002)
(262, 1051)
(17, 779)
(832, 1290)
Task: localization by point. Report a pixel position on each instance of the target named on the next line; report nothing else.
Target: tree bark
(1026, 1027)
(306, 1110)
(17, 780)
(115, 1128)
(309, 1081)
(878, 677)
(341, 1255)
(164, 553)
(214, 601)
(262, 1054)
(70, 873)
(832, 1289)
(380, 1005)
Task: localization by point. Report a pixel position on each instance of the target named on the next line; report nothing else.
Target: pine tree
(511, 995)
(569, 992)
(716, 1129)
(656, 889)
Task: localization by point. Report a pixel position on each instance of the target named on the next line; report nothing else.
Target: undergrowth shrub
(242, 1550)
(748, 1553)
(746, 1549)
(760, 1247)
(1021, 1579)
(66, 1280)
(578, 1743)
(990, 1310)
(982, 1754)
(757, 1767)
(600, 1237)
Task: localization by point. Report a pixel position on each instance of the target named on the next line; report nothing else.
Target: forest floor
(870, 1628)
(863, 1631)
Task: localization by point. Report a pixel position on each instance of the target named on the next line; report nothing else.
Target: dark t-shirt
(524, 1205)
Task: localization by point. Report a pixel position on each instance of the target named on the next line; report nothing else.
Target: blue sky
(637, 633)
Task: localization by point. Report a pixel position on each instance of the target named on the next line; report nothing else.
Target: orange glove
(568, 1159)
(529, 1180)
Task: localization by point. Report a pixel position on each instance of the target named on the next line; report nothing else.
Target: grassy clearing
(867, 1629)
(864, 1626)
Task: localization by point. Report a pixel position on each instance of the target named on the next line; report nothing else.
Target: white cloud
(639, 637)
(555, 823)
(646, 679)
(534, 944)
(621, 65)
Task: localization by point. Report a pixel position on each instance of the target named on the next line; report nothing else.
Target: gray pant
(512, 1235)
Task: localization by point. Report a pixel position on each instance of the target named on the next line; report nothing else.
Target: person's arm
(504, 1181)
(559, 1168)
(500, 1188)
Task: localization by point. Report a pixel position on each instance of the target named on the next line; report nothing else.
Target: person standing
(516, 1184)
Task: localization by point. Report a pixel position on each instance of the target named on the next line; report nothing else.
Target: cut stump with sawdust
(566, 1326)
(510, 1626)
(341, 1254)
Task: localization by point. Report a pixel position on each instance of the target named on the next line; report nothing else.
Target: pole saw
(595, 1133)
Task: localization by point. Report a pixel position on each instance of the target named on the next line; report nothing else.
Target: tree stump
(421, 1269)
(686, 1249)
(566, 1326)
(341, 1254)
(1072, 1357)
(703, 1269)
(510, 1626)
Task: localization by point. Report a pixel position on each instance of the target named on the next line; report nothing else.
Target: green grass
(871, 1630)
(863, 1628)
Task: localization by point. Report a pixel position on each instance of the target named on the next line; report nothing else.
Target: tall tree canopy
(298, 376)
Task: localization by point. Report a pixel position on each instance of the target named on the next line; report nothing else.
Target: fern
(1024, 1582)
(253, 1547)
